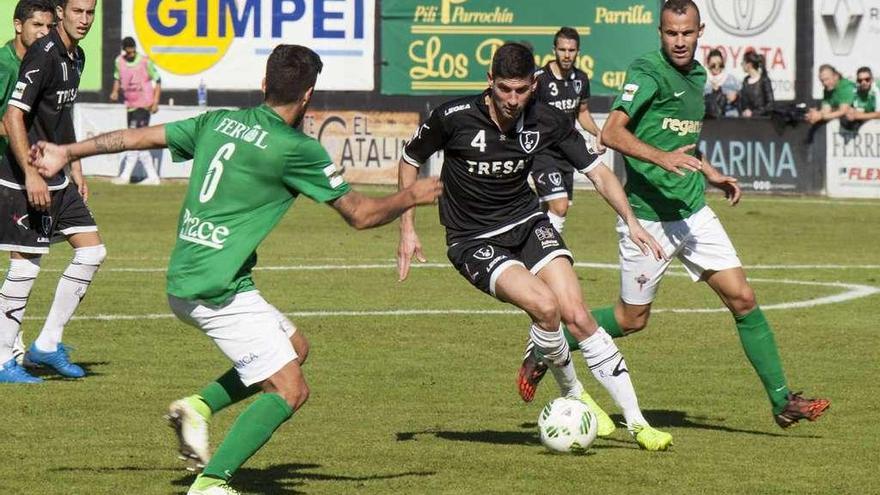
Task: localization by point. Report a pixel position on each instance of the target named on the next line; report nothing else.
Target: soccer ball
(567, 425)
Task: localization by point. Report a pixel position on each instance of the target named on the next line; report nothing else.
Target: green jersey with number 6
(248, 168)
(666, 109)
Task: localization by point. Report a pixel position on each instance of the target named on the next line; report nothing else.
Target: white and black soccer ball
(567, 425)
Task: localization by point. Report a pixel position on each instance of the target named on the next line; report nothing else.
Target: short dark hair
(864, 68)
(754, 58)
(513, 61)
(679, 7)
(128, 42)
(290, 71)
(568, 33)
(715, 53)
(26, 8)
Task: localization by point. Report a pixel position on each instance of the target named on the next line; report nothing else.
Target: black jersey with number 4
(485, 170)
(48, 82)
(566, 93)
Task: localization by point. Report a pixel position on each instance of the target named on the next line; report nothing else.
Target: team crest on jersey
(578, 84)
(529, 140)
(555, 178)
(484, 253)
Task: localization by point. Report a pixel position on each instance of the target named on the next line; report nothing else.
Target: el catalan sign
(446, 46)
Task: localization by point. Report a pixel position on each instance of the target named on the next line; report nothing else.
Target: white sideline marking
(852, 291)
(380, 266)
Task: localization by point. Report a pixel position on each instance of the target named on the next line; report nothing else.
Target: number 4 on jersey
(480, 141)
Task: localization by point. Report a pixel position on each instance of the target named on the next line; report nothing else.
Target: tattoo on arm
(111, 142)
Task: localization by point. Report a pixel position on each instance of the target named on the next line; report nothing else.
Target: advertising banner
(853, 161)
(764, 157)
(366, 146)
(845, 35)
(446, 46)
(91, 119)
(91, 44)
(225, 43)
(764, 26)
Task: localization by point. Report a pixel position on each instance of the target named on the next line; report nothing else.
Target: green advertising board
(446, 46)
(91, 77)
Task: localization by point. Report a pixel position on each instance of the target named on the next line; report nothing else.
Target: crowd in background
(851, 102)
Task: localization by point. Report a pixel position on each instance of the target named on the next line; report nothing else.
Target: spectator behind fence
(722, 88)
(756, 95)
(864, 105)
(141, 86)
(836, 99)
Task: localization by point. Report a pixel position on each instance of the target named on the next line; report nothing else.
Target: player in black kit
(499, 239)
(567, 88)
(35, 211)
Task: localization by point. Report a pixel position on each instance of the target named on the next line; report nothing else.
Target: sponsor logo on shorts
(495, 262)
(246, 360)
(472, 275)
(529, 140)
(642, 279)
(20, 220)
(484, 253)
(547, 236)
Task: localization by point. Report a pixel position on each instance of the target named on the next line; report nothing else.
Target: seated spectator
(756, 95)
(864, 105)
(836, 99)
(722, 88)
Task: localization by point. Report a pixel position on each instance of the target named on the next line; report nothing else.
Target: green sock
(227, 390)
(251, 430)
(757, 341)
(605, 318)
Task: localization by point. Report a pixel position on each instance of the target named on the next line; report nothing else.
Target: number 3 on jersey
(215, 171)
(480, 141)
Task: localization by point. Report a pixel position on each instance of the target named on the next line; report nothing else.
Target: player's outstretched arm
(364, 212)
(616, 136)
(50, 158)
(611, 190)
(409, 246)
(726, 183)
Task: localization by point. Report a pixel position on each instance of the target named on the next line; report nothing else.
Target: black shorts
(139, 117)
(532, 244)
(26, 230)
(553, 179)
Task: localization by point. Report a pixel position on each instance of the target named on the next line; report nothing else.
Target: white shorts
(248, 330)
(699, 241)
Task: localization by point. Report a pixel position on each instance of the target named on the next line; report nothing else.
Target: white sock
(557, 221)
(146, 160)
(13, 300)
(71, 290)
(609, 368)
(554, 348)
(129, 160)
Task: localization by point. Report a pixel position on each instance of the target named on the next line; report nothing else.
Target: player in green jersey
(248, 167)
(655, 123)
(864, 104)
(32, 20)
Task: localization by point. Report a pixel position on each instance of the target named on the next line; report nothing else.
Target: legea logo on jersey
(189, 36)
(194, 229)
(682, 127)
